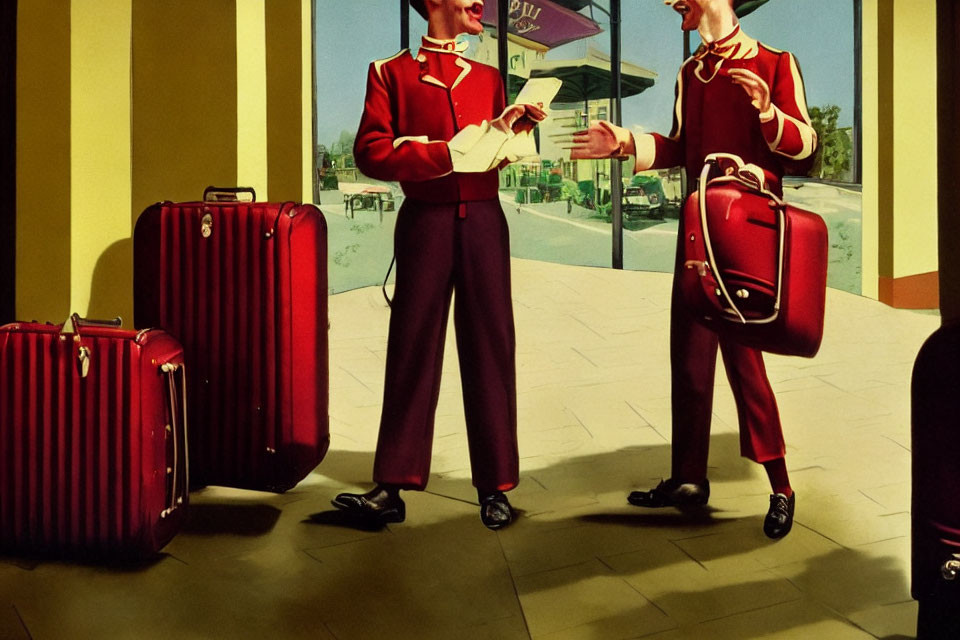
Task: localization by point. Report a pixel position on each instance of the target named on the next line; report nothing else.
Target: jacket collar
(429, 58)
(736, 45)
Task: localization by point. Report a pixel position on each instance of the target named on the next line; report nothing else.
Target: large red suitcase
(754, 267)
(243, 285)
(93, 457)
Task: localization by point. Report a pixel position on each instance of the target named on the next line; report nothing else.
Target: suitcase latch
(701, 267)
(206, 225)
(951, 567)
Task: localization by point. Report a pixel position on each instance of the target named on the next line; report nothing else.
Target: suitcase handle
(78, 322)
(751, 177)
(169, 370)
(227, 194)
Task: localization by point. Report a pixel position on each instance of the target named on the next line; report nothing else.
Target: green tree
(835, 151)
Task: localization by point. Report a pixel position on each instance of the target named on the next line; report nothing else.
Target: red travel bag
(93, 457)
(754, 267)
(243, 285)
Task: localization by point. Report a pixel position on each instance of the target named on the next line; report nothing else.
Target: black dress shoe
(380, 505)
(670, 493)
(779, 518)
(495, 510)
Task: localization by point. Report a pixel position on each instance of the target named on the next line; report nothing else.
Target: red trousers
(441, 248)
(693, 357)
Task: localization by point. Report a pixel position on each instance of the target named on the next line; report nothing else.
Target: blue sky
(351, 33)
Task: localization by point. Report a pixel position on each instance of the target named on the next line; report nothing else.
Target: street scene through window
(561, 210)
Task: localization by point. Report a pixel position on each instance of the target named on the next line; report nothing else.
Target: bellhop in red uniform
(436, 123)
(734, 95)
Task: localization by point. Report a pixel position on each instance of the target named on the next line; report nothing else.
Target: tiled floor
(580, 563)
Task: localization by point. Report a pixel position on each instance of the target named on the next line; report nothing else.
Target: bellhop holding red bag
(431, 122)
(734, 95)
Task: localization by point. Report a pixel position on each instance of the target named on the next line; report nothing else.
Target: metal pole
(616, 179)
(404, 24)
(502, 51)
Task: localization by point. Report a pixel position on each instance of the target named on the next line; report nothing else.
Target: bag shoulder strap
(750, 176)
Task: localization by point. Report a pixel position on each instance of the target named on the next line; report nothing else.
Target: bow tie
(712, 48)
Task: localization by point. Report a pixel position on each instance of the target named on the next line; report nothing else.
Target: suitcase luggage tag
(73, 324)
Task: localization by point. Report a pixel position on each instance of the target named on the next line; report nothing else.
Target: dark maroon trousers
(693, 358)
(441, 248)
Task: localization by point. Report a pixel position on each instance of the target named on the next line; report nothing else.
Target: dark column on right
(948, 156)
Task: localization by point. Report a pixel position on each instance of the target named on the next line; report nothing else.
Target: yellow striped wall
(122, 103)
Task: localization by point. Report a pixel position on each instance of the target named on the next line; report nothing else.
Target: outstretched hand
(754, 85)
(600, 140)
(519, 117)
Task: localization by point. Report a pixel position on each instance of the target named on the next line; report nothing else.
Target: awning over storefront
(588, 78)
(542, 24)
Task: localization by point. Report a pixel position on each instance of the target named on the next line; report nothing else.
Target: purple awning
(543, 22)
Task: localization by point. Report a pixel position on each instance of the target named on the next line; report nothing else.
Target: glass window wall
(560, 210)
(360, 211)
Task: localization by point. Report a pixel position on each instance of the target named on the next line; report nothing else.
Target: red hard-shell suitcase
(93, 457)
(754, 267)
(243, 285)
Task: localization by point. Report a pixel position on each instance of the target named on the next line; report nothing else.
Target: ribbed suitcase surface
(244, 287)
(90, 464)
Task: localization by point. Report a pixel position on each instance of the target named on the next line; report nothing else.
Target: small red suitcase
(243, 285)
(93, 458)
(754, 267)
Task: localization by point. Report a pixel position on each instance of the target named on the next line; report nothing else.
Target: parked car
(644, 197)
(359, 196)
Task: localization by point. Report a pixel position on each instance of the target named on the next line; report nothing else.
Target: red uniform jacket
(413, 107)
(713, 114)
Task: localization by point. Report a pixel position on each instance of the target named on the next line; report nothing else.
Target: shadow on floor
(240, 519)
(623, 469)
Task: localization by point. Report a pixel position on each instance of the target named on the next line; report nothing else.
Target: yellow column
(100, 185)
(870, 245)
(252, 96)
(906, 134)
(306, 97)
(915, 255)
